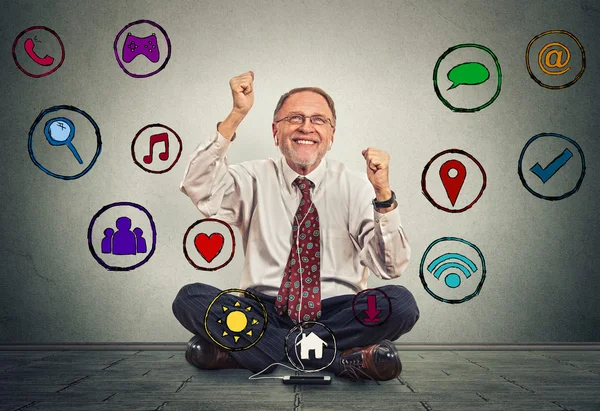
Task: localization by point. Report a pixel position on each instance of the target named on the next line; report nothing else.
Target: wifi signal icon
(452, 280)
(455, 268)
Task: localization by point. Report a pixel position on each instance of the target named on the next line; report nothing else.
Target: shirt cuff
(232, 137)
(389, 222)
(219, 145)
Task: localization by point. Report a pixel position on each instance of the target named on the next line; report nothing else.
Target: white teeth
(305, 142)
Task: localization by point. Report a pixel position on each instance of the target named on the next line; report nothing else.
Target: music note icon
(158, 138)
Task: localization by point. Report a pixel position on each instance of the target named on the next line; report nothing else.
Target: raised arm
(209, 181)
(384, 245)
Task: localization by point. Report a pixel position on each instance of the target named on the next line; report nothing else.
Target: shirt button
(377, 220)
(218, 145)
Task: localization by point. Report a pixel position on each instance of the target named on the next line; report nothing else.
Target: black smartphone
(307, 379)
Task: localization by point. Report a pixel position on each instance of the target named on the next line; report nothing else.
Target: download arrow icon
(372, 310)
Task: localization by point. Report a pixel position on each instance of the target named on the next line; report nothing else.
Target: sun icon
(234, 324)
(238, 321)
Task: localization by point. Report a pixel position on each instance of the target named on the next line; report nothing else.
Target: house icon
(311, 342)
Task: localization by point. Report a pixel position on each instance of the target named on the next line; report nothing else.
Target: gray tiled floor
(431, 380)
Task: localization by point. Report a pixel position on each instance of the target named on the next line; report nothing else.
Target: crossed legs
(192, 301)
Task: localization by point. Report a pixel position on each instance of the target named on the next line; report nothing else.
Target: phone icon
(42, 61)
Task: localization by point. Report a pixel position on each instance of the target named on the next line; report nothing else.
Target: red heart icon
(209, 247)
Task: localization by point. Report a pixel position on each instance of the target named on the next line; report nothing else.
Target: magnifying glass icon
(59, 132)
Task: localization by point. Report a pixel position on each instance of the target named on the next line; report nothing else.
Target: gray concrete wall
(376, 59)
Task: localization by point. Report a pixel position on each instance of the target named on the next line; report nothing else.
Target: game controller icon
(134, 46)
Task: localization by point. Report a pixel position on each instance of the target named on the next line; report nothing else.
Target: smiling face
(303, 145)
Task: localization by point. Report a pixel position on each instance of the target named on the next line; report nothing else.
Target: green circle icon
(468, 73)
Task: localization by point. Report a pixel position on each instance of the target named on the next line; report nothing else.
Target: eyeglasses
(299, 119)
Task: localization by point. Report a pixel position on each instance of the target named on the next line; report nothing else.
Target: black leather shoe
(379, 362)
(206, 355)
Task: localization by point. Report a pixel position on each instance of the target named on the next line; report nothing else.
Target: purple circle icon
(121, 232)
(145, 49)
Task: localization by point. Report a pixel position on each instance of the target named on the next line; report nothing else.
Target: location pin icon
(453, 184)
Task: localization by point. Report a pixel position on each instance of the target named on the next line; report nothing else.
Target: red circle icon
(209, 250)
(152, 148)
(371, 307)
(452, 174)
(33, 58)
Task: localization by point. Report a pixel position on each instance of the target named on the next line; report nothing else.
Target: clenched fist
(242, 90)
(378, 165)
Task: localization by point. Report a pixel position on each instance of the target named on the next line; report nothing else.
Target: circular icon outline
(98, 141)
(453, 301)
(91, 228)
(135, 160)
(389, 307)
(437, 89)
(285, 345)
(189, 259)
(264, 312)
(531, 190)
(570, 83)
(163, 65)
(424, 182)
(21, 34)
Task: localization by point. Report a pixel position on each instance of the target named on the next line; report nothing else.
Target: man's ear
(274, 128)
(332, 137)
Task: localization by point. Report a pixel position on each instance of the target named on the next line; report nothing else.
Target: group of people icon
(124, 241)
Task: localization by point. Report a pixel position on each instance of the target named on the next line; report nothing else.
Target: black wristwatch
(386, 203)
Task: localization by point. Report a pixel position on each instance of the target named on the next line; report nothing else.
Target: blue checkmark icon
(546, 173)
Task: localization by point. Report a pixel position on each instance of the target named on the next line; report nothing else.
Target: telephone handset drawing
(42, 61)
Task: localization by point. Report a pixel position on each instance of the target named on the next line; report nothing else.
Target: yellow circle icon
(236, 321)
(557, 62)
(554, 58)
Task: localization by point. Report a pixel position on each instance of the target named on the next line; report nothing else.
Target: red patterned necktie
(300, 291)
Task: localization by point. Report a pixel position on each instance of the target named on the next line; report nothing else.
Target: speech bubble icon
(468, 73)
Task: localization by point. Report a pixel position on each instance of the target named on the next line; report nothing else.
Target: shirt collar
(289, 175)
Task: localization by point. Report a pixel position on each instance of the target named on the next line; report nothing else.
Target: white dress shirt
(258, 197)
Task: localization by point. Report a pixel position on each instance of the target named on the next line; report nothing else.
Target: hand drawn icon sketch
(140, 46)
(235, 319)
(60, 131)
(159, 147)
(371, 307)
(30, 50)
(124, 233)
(123, 240)
(310, 346)
(452, 270)
(38, 51)
(209, 244)
(457, 185)
(311, 342)
(551, 166)
(470, 76)
(555, 59)
(62, 125)
(144, 51)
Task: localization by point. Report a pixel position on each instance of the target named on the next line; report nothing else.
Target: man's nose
(306, 124)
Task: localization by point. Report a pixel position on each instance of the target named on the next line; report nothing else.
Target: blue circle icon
(547, 171)
(452, 280)
(60, 131)
(457, 271)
